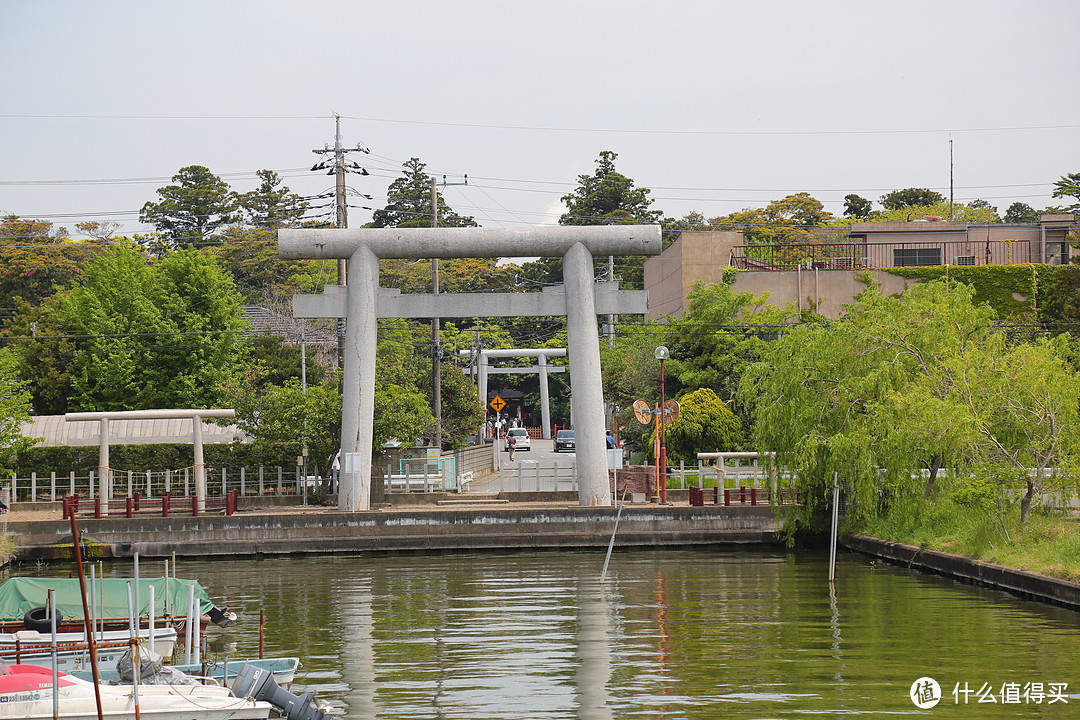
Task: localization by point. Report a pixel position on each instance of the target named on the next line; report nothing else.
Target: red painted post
(165, 504)
(727, 496)
(753, 496)
(194, 506)
(66, 506)
(663, 439)
(97, 508)
(742, 494)
(138, 505)
(129, 507)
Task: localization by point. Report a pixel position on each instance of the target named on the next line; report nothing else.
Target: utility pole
(611, 317)
(338, 167)
(436, 346)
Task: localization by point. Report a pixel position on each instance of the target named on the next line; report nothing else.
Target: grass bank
(1048, 543)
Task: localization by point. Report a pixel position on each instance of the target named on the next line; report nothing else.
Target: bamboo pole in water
(835, 521)
(76, 548)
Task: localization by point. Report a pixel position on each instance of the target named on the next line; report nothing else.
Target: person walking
(511, 445)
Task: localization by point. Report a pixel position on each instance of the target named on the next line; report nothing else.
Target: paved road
(533, 469)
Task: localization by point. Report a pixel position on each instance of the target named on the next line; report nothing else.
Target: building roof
(54, 431)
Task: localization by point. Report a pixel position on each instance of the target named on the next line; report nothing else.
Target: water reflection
(699, 633)
(593, 651)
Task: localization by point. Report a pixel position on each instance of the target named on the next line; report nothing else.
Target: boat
(283, 670)
(23, 601)
(27, 691)
(72, 650)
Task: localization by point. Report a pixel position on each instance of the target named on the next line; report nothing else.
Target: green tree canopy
(251, 258)
(607, 197)
(857, 207)
(1069, 187)
(960, 212)
(1020, 212)
(141, 335)
(868, 396)
(408, 202)
(789, 220)
(720, 334)
(909, 197)
(281, 360)
(272, 205)
(36, 261)
(194, 211)
(705, 424)
(14, 409)
(901, 387)
(284, 416)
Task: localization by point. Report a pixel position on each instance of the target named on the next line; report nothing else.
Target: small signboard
(497, 404)
(350, 462)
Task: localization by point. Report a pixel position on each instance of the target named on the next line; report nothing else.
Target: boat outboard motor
(221, 618)
(258, 683)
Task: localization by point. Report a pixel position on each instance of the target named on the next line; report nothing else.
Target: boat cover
(18, 595)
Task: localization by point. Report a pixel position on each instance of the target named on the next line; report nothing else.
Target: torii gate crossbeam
(364, 247)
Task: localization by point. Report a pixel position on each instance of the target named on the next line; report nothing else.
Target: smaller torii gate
(541, 354)
(196, 417)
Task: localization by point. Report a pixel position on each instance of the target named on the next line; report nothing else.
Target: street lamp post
(661, 353)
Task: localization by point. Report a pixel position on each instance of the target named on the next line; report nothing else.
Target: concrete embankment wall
(471, 528)
(1040, 587)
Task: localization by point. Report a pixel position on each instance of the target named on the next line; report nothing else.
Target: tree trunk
(1025, 502)
(935, 465)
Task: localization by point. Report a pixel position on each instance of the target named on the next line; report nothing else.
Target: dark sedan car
(564, 440)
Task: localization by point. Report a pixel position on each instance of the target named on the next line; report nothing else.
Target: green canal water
(695, 633)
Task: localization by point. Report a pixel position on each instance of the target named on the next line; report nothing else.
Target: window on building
(965, 259)
(909, 257)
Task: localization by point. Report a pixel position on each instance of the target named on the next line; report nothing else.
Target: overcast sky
(713, 105)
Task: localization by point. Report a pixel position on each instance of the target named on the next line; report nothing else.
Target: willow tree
(1024, 402)
(871, 396)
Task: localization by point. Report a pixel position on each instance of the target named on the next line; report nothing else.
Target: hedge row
(1025, 293)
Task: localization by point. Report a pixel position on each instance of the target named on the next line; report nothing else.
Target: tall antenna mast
(950, 179)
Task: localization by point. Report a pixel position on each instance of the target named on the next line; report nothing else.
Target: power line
(543, 128)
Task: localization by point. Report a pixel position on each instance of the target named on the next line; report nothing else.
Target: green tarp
(20, 594)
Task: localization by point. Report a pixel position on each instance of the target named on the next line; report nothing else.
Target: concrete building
(827, 276)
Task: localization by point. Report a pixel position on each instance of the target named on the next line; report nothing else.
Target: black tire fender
(38, 619)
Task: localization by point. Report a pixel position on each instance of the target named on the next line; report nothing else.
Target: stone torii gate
(362, 302)
(541, 368)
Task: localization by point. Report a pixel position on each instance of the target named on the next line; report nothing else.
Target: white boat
(26, 691)
(283, 669)
(73, 652)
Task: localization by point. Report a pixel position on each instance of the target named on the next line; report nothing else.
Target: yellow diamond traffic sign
(497, 404)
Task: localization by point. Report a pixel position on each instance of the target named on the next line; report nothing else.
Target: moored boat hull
(26, 691)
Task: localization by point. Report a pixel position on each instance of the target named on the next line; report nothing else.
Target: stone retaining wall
(420, 529)
(1041, 587)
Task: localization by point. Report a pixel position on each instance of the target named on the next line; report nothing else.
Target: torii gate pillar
(364, 305)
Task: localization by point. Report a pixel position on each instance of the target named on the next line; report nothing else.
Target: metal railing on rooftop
(872, 256)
